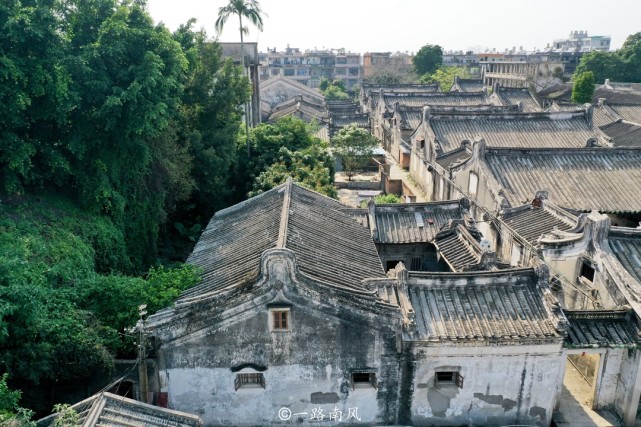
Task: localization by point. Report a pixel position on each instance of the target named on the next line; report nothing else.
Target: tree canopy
(354, 145)
(428, 59)
(583, 88)
(445, 76)
(623, 65)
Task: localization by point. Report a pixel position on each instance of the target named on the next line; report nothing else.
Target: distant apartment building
(580, 41)
(310, 66)
(463, 59)
(380, 62)
(521, 69)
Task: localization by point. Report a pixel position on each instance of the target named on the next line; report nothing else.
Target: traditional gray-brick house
(295, 321)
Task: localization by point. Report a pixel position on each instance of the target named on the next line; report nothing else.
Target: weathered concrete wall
(306, 369)
(624, 395)
(502, 385)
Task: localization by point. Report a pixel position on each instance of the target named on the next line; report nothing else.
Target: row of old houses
(466, 310)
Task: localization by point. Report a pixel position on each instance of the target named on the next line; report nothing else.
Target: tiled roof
(342, 107)
(410, 117)
(531, 222)
(458, 247)
(623, 134)
(470, 85)
(401, 223)
(399, 88)
(631, 113)
(473, 109)
(616, 96)
(602, 179)
(482, 306)
(626, 245)
(297, 105)
(110, 410)
(601, 328)
(455, 156)
(559, 92)
(329, 245)
(513, 96)
(602, 116)
(360, 119)
(522, 130)
(437, 98)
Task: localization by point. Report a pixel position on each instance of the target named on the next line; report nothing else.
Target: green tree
(35, 95)
(445, 76)
(312, 167)
(583, 88)
(428, 59)
(250, 10)
(333, 89)
(355, 147)
(630, 53)
(603, 65)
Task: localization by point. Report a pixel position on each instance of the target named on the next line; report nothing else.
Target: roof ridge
(284, 215)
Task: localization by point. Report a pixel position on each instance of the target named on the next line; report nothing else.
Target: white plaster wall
(625, 381)
(503, 385)
(290, 387)
(607, 391)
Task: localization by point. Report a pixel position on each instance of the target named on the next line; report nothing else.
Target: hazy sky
(406, 25)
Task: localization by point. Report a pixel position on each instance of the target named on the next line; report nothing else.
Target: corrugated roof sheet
(623, 134)
(491, 306)
(328, 243)
(602, 179)
(626, 245)
(526, 130)
(601, 328)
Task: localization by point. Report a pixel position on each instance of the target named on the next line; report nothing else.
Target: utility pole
(142, 363)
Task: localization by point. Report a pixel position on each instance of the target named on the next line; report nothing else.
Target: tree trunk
(242, 62)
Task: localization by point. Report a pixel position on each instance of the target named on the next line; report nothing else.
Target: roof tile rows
(455, 309)
(601, 328)
(534, 222)
(623, 134)
(513, 96)
(603, 179)
(545, 130)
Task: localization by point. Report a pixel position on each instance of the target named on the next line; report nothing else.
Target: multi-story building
(380, 62)
(520, 69)
(580, 41)
(310, 66)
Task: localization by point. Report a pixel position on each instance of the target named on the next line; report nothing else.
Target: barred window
(249, 380)
(280, 320)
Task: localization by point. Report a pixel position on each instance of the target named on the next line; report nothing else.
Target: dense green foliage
(428, 59)
(383, 198)
(583, 88)
(60, 320)
(136, 130)
(354, 145)
(445, 76)
(287, 148)
(313, 167)
(623, 65)
(333, 89)
(11, 414)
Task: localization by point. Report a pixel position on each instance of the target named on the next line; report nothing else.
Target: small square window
(445, 378)
(249, 380)
(280, 320)
(587, 271)
(364, 380)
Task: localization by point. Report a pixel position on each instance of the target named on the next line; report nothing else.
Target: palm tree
(250, 9)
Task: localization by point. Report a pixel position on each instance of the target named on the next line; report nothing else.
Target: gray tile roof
(513, 96)
(521, 130)
(410, 117)
(360, 119)
(601, 328)
(631, 113)
(623, 134)
(616, 96)
(456, 156)
(531, 222)
(329, 245)
(470, 85)
(437, 98)
(490, 306)
(626, 245)
(110, 410)
(603, 179)
(602, 116)
(459, 247)
(401, 223)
